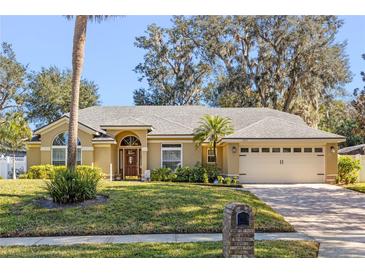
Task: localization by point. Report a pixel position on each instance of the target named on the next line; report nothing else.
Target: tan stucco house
(128, 141)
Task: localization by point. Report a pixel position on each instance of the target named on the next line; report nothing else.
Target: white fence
(6, 166)
(362, 163)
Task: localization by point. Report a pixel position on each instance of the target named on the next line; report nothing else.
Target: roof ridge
(250, 125)
(172, 121)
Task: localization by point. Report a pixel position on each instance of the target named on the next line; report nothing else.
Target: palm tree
(78, 51)
(211, 129)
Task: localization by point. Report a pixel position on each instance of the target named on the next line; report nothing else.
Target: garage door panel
(281, 168)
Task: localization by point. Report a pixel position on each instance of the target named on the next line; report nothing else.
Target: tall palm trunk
(215, 153)
(78, 51)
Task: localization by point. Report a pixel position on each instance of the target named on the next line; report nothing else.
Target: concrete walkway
(332, 215)
(140, 238)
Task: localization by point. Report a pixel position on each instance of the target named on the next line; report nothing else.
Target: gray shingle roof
(360, 149)
(181, 120)
(278, 128)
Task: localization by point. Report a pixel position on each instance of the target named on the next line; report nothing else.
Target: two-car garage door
(282, 165)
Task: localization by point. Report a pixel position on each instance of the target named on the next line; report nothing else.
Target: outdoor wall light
(234, 149)
(333, 150)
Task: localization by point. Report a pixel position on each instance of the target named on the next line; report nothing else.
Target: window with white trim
(211, 157)
(59, 150)
(171, 155)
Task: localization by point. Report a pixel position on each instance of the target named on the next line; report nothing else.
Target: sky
(110, 55)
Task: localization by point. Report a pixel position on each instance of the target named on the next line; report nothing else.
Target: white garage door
(282, 165)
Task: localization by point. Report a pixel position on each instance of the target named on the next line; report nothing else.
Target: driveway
(332, 215)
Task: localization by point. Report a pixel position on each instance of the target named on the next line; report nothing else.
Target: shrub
(220, 179)
(212, 172)
(196, 174)
(183, 174)
(235, 180)
(1, 178)
(348, 170)
(74, 186)
(227, 180)
(23, 176)
(41, 172)
(162, 174)
(205, 178)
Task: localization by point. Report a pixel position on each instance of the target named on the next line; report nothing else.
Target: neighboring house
(357, 152)
(267, 145)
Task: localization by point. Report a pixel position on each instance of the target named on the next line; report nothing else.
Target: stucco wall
(232, 160)
(43, 154)
(219, 156)
(191, 155)
(33, 156)
(102, 156)
(331, 162)
(154, 155)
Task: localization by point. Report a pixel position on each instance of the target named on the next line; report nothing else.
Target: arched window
(59, 150)
(130, 141)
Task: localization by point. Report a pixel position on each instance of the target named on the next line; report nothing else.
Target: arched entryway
(130, 157)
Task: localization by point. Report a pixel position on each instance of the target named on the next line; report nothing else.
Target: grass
(359, 187)
(132, 208)
(263, 249)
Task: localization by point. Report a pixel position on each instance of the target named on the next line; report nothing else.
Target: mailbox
(238, 231)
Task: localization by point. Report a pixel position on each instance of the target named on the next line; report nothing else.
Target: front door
(131, 162)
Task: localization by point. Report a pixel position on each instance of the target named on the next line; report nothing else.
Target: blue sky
(41, 41)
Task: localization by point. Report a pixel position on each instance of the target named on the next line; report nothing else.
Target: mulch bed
(48, 203)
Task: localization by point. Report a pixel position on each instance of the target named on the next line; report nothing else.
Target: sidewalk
(140, 238)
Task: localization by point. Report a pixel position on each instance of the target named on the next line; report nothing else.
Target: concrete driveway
(332, 215)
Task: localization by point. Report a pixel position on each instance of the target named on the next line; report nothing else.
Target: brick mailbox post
(238, 231)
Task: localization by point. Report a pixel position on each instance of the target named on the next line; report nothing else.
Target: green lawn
(263, 249)
(132, 208)
(359, 187)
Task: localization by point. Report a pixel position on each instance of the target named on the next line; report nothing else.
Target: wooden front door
(131, 162)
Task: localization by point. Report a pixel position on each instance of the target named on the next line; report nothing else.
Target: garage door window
(286, 149)
(265, 149)
(276, 149)
(244, 149)
(255, 150)
(297, 149)
(318, 150)
(308, 150)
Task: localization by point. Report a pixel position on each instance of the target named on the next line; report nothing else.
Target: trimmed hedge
(196, 174)
(49, 171)
(348, 170)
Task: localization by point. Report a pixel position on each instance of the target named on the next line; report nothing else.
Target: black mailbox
(243, 219)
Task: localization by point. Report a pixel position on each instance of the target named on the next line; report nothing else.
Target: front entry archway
(130, 158)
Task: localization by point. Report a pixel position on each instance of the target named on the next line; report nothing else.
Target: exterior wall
(331, 163)
(190, 155)
(231, 165)
(219, 156)
(33, 156)
(154, 155)
(43, 154)
(119, 135)
(102, 156)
